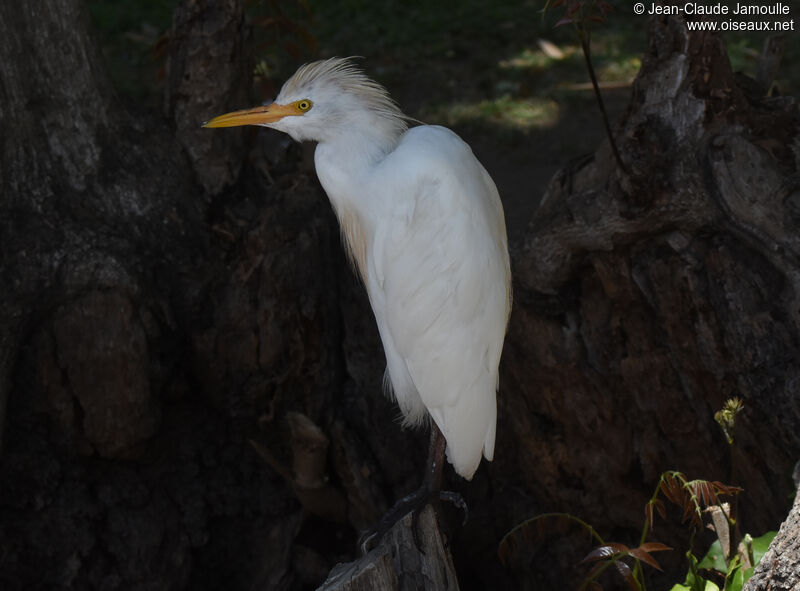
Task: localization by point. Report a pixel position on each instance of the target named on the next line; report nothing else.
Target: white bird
(424, 227)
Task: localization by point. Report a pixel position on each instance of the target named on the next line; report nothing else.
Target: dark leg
(436, 447)
(429, 492)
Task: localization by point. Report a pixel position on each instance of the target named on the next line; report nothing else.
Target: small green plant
(727, 564)
(733, 574)
(726, 417)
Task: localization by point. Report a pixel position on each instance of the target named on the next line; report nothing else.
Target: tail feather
(469, 428)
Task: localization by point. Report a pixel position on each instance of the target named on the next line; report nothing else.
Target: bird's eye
(303, 105)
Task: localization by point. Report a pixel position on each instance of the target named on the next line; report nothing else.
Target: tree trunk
(779, 569)
(397, 564)
(644, 301)
(150, 328)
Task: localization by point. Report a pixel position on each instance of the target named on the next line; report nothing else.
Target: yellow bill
(255, 116)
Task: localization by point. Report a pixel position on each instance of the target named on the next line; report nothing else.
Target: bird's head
(323, 100)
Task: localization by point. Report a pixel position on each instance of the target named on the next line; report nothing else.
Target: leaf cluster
(692, 497)
(731, 575)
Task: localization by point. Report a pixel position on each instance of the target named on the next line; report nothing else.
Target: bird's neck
(345, 161)
(346, 169)
(363, 141)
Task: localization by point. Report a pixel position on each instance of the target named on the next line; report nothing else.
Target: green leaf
(714, 559)
(735, 579)
(709, 586)
(761, 545)
(694, 582)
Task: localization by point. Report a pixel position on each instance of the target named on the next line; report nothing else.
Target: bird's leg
(429, 492)
(436, 448)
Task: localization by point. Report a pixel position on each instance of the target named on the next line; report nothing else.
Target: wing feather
(438, 283)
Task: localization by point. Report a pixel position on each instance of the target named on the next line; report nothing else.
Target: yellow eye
(303, 105)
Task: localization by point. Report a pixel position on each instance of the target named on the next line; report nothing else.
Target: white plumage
(424, 226)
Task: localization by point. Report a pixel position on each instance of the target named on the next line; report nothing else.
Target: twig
(587, 56)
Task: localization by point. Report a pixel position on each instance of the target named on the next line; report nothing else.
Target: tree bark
(148, 328)
(643, 301)
(397, 564)
(779, 569)
(208, 71)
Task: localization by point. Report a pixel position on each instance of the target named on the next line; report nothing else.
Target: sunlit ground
(510, 44)
(500, 73)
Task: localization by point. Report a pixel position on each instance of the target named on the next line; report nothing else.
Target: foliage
(734, 574)
(726, 417)
(725, 567)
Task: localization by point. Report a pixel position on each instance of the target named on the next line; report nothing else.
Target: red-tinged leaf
(665, 490)
(645, 557)
(654, 547)
(563, 21)
(706, 492)
(661, 510)
(672, 489)
(726, 489)
(605, 551)
(690, 515)
(627, 574)
(648, 514)
(598, 18)
(557, 3)
(688, 510)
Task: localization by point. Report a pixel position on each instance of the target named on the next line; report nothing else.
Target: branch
(397, 564)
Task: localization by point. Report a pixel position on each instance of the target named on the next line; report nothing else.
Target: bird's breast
(346, 186)
(354, 236)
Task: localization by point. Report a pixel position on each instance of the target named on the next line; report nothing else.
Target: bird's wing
(440, 268)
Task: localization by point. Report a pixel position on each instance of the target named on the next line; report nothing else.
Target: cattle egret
(423, 225)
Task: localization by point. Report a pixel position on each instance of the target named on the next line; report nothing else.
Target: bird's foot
(414, 504)
(458, 501)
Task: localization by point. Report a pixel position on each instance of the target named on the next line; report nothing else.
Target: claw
(428, 493)
(457, 500)
(409, 504)
(364, 542)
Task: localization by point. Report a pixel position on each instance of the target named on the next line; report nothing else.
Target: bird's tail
(469, 426)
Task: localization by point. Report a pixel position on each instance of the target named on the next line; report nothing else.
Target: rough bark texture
(397, 564)
(208, 70)
(149, 329)
(778, 569)
(190, 374)
(655, 297)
